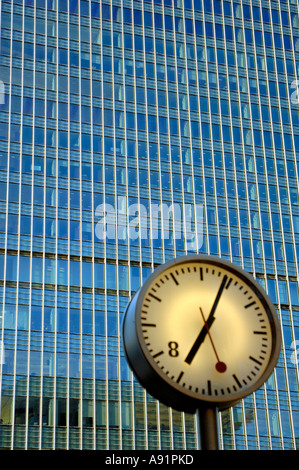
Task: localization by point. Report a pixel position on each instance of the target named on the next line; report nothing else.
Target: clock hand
(199, 340)
(203, 333)
(220, 366)
(218, 296)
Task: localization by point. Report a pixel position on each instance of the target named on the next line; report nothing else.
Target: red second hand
(220, 366)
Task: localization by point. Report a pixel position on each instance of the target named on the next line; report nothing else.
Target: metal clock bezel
(144, 366)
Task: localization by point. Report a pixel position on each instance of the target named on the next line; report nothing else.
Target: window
(246, 12)
(158, 20)
(266, 16)
(227, 9)
(209, 30)
(147, 17)
(105, 11)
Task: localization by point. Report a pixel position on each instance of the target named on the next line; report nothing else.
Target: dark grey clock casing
(148, 374)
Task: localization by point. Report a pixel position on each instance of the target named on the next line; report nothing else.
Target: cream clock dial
(201, 330)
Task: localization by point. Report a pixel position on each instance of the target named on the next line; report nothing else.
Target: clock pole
(207, 428)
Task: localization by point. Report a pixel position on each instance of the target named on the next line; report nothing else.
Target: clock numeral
(174, 279)
(154, 297)
(237, 380)
(173, 349)
(229, 282)
(256, 360)
(179, 377)
(209, 387)
(158, 354)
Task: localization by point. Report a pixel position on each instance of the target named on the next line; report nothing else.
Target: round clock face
(207, 329)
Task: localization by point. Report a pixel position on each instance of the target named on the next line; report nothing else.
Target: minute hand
(203, 333)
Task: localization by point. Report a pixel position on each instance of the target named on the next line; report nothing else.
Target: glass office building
(135, 103)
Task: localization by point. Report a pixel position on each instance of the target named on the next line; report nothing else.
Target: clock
(201, 331)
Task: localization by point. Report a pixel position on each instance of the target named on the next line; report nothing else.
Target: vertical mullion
(9, 94)
(93, 240)
(55, 407)
(68, 241)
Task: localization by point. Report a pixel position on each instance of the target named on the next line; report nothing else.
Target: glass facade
(135, 103)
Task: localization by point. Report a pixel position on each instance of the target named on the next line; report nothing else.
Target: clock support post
(207, 428)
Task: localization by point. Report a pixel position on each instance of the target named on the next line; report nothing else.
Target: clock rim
(151, 376)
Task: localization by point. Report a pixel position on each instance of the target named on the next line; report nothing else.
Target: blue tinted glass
(148, 21)
(111, 276)
(105, 11)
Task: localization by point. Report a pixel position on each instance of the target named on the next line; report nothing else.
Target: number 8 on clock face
(201, 330)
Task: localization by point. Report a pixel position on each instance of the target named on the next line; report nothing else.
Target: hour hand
(200, 338)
